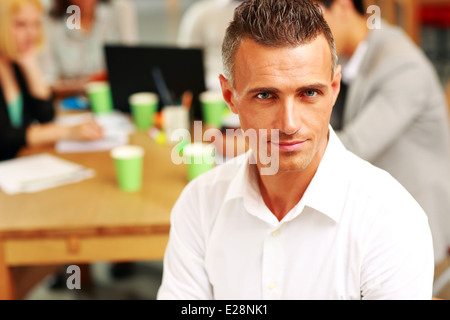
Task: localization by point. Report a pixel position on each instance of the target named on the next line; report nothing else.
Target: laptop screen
(167, 71)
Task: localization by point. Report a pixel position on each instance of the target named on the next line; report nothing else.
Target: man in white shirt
(326, 225)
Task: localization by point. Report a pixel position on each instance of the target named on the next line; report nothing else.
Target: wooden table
(92, 220)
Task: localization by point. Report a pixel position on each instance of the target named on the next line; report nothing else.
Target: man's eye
(310, 93)
(264, 95)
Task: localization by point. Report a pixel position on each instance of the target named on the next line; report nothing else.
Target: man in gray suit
(394, 111)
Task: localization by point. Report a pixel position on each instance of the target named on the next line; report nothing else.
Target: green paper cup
(199, 158)
(99, 95)
(143, 108)
(213, 107)
(128, 161)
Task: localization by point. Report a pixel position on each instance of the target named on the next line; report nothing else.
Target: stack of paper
(39, 172)
(116, 129)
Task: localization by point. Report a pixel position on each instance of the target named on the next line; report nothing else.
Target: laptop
(167, 71)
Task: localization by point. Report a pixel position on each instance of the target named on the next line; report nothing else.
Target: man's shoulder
(203, 197)
(379, 188)
(391, 47)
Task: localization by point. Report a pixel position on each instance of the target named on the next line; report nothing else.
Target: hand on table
(87, 131)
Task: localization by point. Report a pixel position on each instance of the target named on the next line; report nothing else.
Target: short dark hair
(358, 4)
(275, 23)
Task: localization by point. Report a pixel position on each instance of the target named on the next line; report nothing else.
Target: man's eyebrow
(262, 89)
(317, 86)
(312, 86)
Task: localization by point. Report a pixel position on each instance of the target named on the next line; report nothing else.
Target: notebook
(39, 172)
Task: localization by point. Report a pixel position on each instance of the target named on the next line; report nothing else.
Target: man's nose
(289, 118)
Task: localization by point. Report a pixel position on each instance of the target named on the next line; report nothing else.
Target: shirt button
(276, 232)
(272, 285)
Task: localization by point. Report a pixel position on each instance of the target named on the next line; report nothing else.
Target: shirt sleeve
(42, 110)
(398, 261)
(190, 32)
(184, 274)
(11, 140)
(126, 17)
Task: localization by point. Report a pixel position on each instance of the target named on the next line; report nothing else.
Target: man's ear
(336, 83)
(227, 92)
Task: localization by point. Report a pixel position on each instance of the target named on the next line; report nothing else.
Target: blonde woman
(26, 103)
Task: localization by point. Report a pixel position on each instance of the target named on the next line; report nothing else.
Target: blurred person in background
(26, 102)
(392, 110)
(74, 57)
(203, 26)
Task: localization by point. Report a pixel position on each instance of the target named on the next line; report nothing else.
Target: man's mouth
(289, 145)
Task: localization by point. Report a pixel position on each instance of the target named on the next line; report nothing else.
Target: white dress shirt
(355, 234)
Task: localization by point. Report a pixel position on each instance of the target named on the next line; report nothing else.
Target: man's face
(26, 28)
(289, 89)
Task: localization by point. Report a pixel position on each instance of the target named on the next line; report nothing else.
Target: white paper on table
(107, 143)
(116, 129)
(39, 172)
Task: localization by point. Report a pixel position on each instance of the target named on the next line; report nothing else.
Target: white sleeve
(127, 21)
(47, 59)
(398, 262)
(190, 32)
(184, 274)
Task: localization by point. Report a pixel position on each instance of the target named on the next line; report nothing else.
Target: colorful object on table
(158, 120)
(186, 99)
(157, 135)
(143, 106)
(175, 123)
(199, 158)
(75, 103)
(99, 95)
(128, 161)
(213, 106)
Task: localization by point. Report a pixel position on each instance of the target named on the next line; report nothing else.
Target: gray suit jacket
(395, 117)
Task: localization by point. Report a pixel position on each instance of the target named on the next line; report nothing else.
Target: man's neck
(282, 191)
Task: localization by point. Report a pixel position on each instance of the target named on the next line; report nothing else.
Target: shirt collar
(242, 178)
(326, 192)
